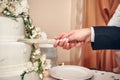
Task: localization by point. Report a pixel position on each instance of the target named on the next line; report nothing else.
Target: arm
(109, 36)
(106, 38)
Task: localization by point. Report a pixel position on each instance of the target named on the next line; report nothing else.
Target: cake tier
(31, 76)
(13, 60)
(14, 73)
(11, 29)
(13, 53)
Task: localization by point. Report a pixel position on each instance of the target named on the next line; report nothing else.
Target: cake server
(40, 41)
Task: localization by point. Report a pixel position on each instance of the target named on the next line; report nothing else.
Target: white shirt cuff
(92, 34)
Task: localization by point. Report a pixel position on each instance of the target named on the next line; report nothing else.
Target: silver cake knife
(40, 41)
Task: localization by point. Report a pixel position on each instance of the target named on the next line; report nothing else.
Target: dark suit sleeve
(106, 38)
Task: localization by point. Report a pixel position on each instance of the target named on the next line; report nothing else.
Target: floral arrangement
(20, 8)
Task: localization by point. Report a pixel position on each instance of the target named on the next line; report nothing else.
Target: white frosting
(13, 59)
(13, 53)
(30, 76)
(13, 73)
(11, 30)
(12, 70)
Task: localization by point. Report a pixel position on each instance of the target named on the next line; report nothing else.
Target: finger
(72, 44)
(78, 45)
(64, 47)
(67, 46)
(63, 41)
(56, 43)
(83, 43)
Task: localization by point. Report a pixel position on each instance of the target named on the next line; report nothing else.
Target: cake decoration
(19, 8)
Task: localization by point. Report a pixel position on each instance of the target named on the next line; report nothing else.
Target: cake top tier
(11, 30)
(13, 13)
(16, 27)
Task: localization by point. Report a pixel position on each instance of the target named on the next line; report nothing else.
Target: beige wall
(53, 17)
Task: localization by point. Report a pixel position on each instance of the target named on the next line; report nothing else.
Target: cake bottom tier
(14, 57)
(30, 76)
(14, 72)
(14, 53)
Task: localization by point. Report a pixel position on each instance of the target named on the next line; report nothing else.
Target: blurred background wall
(53, 17)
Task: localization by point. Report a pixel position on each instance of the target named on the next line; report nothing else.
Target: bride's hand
(74, 38)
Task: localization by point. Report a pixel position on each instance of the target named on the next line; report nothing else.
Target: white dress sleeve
(115, 20)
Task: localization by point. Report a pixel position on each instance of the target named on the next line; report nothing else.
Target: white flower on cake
(14, 7)
(35, 66)
(29, 67)
(31, 27)
(43, 58)
(43, 35)
(32, 66)
(37, 52)
(46, 63)
(35, 33)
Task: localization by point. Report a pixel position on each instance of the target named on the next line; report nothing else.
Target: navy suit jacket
(106, 38)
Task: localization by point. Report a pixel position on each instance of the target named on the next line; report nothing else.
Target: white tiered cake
(13, 55)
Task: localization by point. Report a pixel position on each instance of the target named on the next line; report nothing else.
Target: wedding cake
(18, 58)
(13, 55)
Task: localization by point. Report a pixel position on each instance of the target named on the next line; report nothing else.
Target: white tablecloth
(98, 75)
(102, 75)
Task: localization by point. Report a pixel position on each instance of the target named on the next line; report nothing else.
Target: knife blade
(40, 41)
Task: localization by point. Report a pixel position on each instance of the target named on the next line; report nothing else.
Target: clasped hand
(74, 38)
